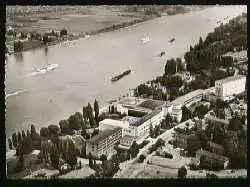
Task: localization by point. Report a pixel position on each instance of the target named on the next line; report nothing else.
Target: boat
(118, 77)
(226, 17)
(172, 40)
(145, 40)
(47, 68)
(218, 21)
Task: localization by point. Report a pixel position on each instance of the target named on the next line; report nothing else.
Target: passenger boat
(172, 40)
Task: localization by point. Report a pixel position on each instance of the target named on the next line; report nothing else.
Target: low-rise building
(104, 142)
(212, 159)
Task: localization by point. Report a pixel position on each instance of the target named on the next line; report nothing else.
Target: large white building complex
(226, 88)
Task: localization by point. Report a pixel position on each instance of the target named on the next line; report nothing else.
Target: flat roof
(130, 119)
(145, 118)
(186, 97)
(103, 135)
(231, 78)
(151, 104)
(111, 124)
(130, 101)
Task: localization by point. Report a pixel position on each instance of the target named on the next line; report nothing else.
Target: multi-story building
(226, 88)
(212, 159)
(104, 142)
(141, 127)
(186, 100)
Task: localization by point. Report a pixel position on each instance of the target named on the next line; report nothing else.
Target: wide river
(85, 68)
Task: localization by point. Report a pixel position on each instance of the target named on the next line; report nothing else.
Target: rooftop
(181, 100)
(211, 155)
(111, 122)
(130, 101)
(130, 119)
(145, 118)
(231, 78)
(151, 104)
(103, 135)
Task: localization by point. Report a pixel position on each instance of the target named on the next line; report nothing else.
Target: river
(85, 68)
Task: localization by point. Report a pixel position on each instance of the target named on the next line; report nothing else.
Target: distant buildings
(229, 86)
(104, 142)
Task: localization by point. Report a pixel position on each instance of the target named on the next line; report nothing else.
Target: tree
(64, 126)
(75, 121)
(134, 149)
(54, 130)
(141, 158)
(23, 135)
(18, 46)
(72, 154)
(63, 32)
(45, 39)
(193, 144)
(170, 67)
(10, 143)
(96, 109)
(90, 115)
(182, 172)
(54, 156)
(90, 160)
(157, 131)
(235, 124)
(186, 114)
(44, 132)
(85, 113)
(32, 130)
(151, 133)
(201, 110)
(14, 140)
(19, 138)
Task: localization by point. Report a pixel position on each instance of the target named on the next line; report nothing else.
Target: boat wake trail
(14, 93)
(43, 70)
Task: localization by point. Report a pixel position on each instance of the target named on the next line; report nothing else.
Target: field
(79, 19)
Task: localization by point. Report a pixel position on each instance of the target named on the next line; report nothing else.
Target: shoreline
(70, 38)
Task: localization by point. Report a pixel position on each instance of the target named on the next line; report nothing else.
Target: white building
(141, 127)
(226, 88)
(111, 123)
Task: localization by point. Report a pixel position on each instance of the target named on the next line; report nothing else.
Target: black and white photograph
(126, 91)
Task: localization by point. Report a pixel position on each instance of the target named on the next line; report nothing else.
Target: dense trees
(206, 55)
(134, 149)
(186, 114)
(10, 143)
(14, 140)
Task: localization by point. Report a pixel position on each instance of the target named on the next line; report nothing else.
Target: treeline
(206, 55)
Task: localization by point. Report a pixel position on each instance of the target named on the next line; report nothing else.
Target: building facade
(104, 142)
(226, 88)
